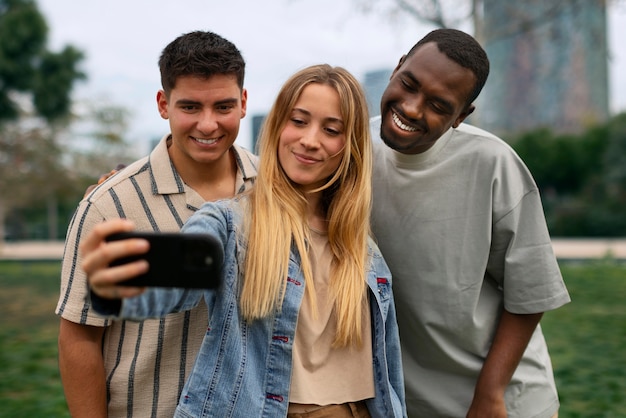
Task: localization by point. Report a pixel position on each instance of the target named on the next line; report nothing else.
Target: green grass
(30, 385)
(587, 341)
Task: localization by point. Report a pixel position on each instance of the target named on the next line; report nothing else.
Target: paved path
(589, 248)
(577, 249)
(31, 250)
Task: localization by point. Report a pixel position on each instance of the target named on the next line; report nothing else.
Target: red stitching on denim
(278, 398)
(294, 281)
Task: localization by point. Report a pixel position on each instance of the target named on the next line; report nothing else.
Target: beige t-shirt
(320, 374)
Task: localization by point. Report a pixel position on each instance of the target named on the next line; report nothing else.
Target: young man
(458, 217)
(121, 368)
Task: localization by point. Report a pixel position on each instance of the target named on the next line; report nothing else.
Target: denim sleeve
(103, 306)
(158, 302)
(212, 218)
(394, 356)
(153, 303)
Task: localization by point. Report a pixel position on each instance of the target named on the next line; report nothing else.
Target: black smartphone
(176, 260)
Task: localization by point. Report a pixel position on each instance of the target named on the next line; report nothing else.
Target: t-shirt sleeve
(522, 260)
(73, 304)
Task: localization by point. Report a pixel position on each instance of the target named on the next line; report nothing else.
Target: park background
(113, 119)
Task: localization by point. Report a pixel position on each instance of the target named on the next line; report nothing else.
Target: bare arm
(512, 337)
(82, 369)
(80, 346)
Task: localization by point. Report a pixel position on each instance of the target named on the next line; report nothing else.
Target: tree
(35, 101)
(102, 140)
(436, 13)
(457, 13)
(28, 166)
(23, 34)
(52, 168)
(27, 67)
(582, 178)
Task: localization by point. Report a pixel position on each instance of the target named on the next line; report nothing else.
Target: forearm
(153, 303)
(111, 299)
(510, 341)
(82, 369)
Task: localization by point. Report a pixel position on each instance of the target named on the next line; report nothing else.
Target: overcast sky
(122, 40)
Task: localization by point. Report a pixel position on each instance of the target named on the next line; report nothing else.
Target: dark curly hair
(462, 49)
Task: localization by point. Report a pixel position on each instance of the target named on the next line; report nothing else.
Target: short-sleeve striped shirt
(146, 362)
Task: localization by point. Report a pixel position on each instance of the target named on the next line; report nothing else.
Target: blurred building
(374, 84)
(549, 65)
(257, 122)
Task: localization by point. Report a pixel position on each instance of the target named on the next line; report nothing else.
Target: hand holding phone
(176, 260)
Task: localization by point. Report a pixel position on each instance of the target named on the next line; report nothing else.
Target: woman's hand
(97, 254)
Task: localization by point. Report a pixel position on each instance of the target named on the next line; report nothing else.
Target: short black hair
(462, 49)
(201, 54)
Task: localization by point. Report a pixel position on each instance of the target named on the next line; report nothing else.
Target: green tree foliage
(605, 193)
(35, 88)
(582, 178)
(54, 81)
(615, 156)
(23, 34)
(27, 67)
(40, 164)
(561, 162)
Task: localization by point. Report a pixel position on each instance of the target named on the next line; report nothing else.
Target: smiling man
(459, 220)
(124, 368)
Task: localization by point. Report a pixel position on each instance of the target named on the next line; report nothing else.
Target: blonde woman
(303, 324)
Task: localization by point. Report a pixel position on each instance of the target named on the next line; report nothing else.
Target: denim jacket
(243, 368)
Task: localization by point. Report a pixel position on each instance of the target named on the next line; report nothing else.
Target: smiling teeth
(401, 125)
(206, 141)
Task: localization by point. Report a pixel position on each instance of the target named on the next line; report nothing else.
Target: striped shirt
(146, 362)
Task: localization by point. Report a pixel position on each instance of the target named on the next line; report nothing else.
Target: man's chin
(392, 142)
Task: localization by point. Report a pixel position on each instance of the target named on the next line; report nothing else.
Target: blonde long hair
(278, 210)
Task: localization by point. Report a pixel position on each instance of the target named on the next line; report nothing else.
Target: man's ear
(161, 99)
(465, 113)
(244, 103)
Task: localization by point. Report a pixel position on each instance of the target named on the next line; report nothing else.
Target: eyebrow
(328, 119)
(184, 102)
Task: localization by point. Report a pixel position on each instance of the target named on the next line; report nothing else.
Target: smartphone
(176, 260)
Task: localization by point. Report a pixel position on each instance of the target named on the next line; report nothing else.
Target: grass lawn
(587, 341)
(30, 385)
